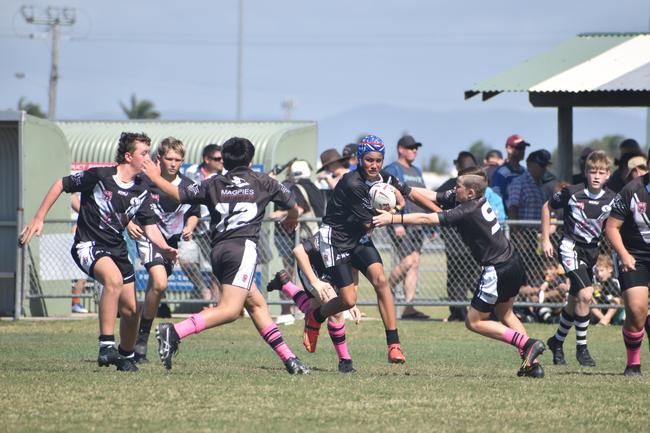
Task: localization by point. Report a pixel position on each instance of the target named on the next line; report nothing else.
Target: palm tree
(143, 109)
(31, 108)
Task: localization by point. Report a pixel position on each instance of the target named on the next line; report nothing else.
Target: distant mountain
(446, 133)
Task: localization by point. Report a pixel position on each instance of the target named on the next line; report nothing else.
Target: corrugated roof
(95, 141)
(586, 63)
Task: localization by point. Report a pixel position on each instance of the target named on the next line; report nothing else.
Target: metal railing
(445, 276)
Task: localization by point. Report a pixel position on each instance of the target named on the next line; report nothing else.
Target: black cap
(350, 150)
(540, 157)
(408, 142)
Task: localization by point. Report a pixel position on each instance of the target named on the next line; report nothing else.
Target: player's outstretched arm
(35, 227)
(152, 170)
(423, 201)
(385, 218)
(546, 230)
(291, 221)
(153, 233)
(613, 233)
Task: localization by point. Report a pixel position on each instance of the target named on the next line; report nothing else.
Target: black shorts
(86, 254)
(234, 262)
(409, 243)
(361, 257)
(498, 284)
(578, 263)
(638, 277)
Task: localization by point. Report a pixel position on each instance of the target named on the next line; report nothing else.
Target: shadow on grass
(586, 373)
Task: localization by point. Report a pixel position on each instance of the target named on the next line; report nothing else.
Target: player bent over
(503, 271)
(175, 221)
(110, 198)
(236, 202)
(344, 242)
(628, 230)
(314, 277)
(586, 207)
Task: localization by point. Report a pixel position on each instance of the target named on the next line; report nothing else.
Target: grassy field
(228, 380)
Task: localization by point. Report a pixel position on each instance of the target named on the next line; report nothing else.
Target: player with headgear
(344, 242)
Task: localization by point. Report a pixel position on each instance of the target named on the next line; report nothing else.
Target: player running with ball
(503, 271)
(344, 242)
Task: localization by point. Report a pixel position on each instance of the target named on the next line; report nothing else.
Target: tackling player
(236, 202)
(110, 198)
(586, 207)
(628, 230)
(503, 271)
(315, 278)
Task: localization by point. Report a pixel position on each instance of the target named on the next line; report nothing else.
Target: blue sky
(341, 62)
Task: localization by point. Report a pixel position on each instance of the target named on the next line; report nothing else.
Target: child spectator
(607, 290)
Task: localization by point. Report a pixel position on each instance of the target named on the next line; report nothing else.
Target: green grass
(227, 379)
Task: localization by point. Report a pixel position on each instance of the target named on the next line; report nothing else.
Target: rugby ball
(382, 196)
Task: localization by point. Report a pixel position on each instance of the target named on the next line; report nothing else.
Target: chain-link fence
(425, 266)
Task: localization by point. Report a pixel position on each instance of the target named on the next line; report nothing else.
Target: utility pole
(288, 106)
(240, 61)
(54, 17)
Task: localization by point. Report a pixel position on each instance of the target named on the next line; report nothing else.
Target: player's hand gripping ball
(382, 196)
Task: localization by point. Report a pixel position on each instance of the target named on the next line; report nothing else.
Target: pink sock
(633, 342)
(193, 325)
(290, 289)
(515, 338)
(271, 334)
(337, 334)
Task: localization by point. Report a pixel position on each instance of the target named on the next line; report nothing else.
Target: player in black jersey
(236, 202)
(628, 230)
(175, 221)
(344, 241)
(586, 207)
(503, 271)
(110, 198)
(317, 282)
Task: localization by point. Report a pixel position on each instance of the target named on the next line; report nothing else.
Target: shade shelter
(590, 70)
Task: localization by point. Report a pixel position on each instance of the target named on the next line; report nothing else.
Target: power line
(54, 17)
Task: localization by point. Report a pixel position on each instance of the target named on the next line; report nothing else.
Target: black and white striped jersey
(349, 207)
(237, 201)
(171, 215)
(478, 227)
(584, 213)
(108, 204)
(631, 207)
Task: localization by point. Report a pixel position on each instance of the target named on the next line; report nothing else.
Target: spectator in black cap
(408, 240)
(350, 152)
(525, 201)
(580, 177)
(627, 147)
(462, 270)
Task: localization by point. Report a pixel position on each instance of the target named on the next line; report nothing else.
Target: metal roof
(95, 141)
(587, 63)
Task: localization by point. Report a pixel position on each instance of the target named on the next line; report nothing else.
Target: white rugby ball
(382, 196)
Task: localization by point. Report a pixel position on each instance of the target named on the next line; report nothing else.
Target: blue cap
(370, 143)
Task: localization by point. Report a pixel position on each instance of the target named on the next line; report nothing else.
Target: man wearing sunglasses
(212, 165)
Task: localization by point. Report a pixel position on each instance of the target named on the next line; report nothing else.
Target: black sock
(392, 337)
(145, 325)
(125, 353)
(106, 340)
(319, 316)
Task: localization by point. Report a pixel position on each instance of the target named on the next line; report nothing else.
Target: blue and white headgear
(370, 143)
